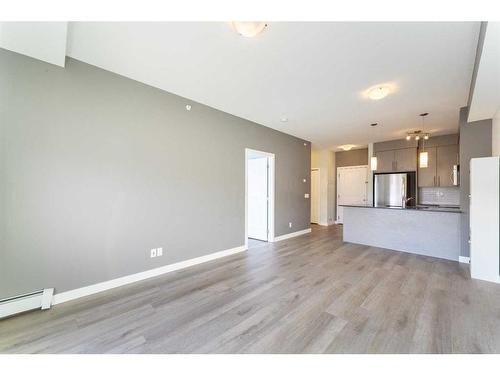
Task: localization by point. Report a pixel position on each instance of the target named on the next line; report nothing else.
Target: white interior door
(258, 187)
(315, 191)
(352, 186)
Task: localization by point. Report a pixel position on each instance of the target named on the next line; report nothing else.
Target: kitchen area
(418, 196)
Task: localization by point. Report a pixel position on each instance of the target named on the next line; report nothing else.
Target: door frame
(271, 192)
(319, 195)
(337, 186)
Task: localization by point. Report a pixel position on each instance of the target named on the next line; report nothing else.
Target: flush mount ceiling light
(249, 29)
(346, 147)
(378, 93)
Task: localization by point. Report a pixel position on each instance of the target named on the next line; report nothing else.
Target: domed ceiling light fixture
(249, 29)
(347, 147)
(379, 92)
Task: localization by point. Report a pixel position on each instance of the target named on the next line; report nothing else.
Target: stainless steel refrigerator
(394, 189)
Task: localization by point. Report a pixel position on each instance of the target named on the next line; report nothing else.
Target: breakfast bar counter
(425, 231)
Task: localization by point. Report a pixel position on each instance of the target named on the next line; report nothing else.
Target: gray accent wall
(97, 169)
(475, 142)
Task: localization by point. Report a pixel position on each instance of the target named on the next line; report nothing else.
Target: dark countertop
(421, 208)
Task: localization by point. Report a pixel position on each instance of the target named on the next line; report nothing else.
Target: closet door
(352, 186)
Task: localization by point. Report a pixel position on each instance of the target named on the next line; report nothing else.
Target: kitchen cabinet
(439, 169)
(385, 161)
(401, 160)
(447, 157)
(405, 160)
(427, 176)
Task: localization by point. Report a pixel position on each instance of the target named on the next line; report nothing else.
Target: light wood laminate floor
(309, 294)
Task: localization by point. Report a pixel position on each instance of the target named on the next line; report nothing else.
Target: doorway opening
(259, 197)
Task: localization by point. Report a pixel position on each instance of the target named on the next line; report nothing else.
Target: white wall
(485, 95)
(44, 41)
(495, 134)
(324, 160)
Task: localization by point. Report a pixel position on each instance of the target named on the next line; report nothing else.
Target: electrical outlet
(159, 252)
(153, 253)
(306, 195)
(289, 225)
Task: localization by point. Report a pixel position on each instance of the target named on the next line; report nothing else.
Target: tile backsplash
(439, 195)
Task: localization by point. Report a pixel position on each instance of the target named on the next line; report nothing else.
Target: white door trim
(270, 212)
(319, 195)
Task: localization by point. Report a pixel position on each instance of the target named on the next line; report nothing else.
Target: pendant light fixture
(373, 159)
(423, 159)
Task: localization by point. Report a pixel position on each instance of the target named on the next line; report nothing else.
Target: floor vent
(25, 302)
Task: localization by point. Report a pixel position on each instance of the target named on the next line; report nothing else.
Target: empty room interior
(249, 187)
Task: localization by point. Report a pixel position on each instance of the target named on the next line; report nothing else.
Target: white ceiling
(312, 73)
(486, 95)
(44, 41)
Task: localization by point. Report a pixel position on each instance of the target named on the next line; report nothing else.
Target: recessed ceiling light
(347, 147)
(374, 124)
(249, 29)
(188, 107)
(284, 119)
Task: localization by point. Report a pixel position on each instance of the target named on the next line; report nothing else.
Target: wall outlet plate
(306, 195)
(153, 253)
(289, 225)
(159, 252)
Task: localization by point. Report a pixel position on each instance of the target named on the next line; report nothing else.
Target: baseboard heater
(41, 299)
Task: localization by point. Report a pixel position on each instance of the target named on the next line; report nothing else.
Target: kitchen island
(431, 231)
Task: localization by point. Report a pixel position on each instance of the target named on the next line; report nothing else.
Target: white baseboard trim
(462, 259)
(110, 284)
(291, 235)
